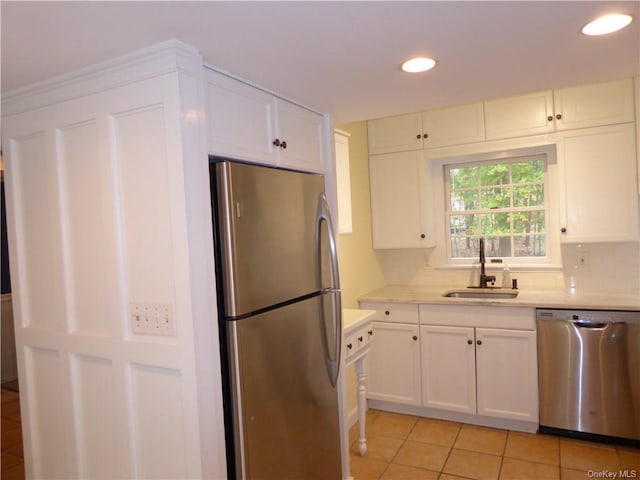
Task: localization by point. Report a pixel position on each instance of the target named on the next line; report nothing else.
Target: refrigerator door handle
(324, 216)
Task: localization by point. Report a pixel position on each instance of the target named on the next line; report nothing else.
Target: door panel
(394, 364)
(289, 407)
(268, 225)
(448, 368)
(507, 374)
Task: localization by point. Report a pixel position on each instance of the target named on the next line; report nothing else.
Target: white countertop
(353, 318)
(552, 298)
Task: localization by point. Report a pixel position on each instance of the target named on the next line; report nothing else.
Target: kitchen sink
(488, 293)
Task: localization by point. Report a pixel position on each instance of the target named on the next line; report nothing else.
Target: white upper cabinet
(239, 119)
(398, 203)
(430, 129)
(300, 134)
(395, 134)
(598, 182)
(246, 123)
(530, 114)
(453, 126)
(563, 109)
(343, 182)
(593, 105)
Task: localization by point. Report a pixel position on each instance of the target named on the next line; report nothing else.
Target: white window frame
(442, 252)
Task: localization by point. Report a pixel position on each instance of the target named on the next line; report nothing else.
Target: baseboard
(516, 425)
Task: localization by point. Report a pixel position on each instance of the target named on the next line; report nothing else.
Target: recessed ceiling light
(607, 24)
(418, 64)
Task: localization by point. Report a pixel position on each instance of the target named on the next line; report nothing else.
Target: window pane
(530, 245)
(528, 195)
(494, 174)
(464, 224)
(529, 171)
(503, 202)
(496, 197)
(493, 223)
(497, 246)
(528, 222)
(463, 177)
(464, 247)
(464, 200)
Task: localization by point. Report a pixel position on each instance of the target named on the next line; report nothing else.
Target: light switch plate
(152, 318)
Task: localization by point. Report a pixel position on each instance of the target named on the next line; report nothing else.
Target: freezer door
(286, 406)
(267, 227)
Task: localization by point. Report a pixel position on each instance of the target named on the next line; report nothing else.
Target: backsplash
(607, 266)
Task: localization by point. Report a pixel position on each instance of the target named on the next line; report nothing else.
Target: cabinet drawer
(393, 312)
(518, 318)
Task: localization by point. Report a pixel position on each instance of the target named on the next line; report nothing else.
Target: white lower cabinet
(448, 368)
(462, 362)
(484, 371)
(507, 373)
(394, 363)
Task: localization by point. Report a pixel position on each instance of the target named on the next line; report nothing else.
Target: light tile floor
(12, 457)
(405, 447)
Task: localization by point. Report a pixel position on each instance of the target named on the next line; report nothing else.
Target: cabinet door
(343, 182)
(395, 134)
(394, 363)
(519, 116)
(302, 130)
(594, 105)
(507, 376)
(398, 184)
(453, 126)
(448, 368)
(239, 120)
(599, 190)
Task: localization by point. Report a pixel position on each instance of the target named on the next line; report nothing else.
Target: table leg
(362, 405)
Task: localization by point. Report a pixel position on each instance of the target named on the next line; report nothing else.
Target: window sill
(513, 267)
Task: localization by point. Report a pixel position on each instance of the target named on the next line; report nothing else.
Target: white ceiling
(340, 57)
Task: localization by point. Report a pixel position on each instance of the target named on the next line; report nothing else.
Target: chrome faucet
(484, 278)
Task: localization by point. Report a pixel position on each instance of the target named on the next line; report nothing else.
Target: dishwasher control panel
(599, 316)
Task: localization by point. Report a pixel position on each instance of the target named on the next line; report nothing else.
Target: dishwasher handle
(588, 324)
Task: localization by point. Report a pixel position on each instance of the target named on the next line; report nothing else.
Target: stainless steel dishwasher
(589, 373)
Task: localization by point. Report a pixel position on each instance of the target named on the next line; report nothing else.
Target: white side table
(357, 338)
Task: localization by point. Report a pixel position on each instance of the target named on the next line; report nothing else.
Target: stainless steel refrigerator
(280, 321)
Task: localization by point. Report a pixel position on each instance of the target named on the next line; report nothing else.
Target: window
(502, 201)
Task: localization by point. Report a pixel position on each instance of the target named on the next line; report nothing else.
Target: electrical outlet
(152, 318)
(581, 257)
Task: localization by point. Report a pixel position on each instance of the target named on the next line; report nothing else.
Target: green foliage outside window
(500, 201)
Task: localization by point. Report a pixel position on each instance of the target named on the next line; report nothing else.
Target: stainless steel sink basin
(488, 293)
